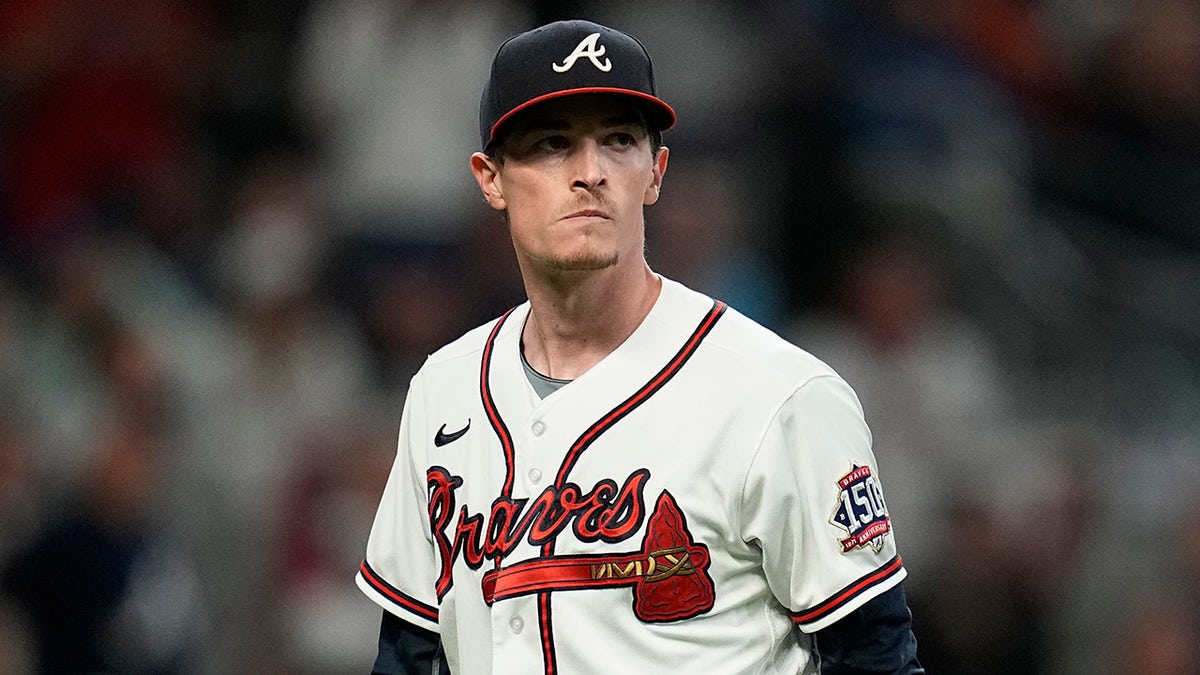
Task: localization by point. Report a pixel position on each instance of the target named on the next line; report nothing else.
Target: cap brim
(659, 115)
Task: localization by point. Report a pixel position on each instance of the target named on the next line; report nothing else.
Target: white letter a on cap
(586, 47)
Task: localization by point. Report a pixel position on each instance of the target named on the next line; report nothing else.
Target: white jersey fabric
(684, 504)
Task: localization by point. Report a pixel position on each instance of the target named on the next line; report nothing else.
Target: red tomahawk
(669, 574)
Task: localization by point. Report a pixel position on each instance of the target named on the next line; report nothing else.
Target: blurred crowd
(231, 231)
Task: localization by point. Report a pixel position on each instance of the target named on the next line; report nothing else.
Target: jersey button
(516, 624)
(538, 428)
(535, 476)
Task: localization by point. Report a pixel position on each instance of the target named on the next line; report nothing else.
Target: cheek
(524, 189)
(525, 206)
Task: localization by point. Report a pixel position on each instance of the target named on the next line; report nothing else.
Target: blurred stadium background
(230, 231)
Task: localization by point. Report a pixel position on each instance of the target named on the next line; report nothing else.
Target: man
(622, 475)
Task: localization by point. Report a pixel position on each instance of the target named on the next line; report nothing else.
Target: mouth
(586, 213)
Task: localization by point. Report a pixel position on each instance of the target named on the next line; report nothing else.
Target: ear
(659, 169)
(487, 174)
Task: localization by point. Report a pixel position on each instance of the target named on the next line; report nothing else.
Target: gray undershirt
(542, 386)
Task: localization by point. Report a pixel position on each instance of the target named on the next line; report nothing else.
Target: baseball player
(621, 474)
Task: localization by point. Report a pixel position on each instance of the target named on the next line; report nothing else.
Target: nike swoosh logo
(442, 438)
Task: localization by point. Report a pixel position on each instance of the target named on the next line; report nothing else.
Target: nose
(588, 168)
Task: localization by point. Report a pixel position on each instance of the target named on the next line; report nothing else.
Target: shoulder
(742, 357)
(763, 351)
(754, 350)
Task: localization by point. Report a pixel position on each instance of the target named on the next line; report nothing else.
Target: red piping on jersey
(582, 443)
(549, 657)
(392, 593)
(827, 607)
(642, 394)
(489, 407)
(604, 424)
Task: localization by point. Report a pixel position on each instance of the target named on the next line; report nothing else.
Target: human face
(573, 177)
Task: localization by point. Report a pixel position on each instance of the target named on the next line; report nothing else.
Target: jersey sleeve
(399, 570)
(813, 503)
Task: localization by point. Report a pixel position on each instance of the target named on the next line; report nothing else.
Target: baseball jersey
(687, 502)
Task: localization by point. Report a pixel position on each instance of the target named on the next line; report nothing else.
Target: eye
(622, 139)
(552, 144)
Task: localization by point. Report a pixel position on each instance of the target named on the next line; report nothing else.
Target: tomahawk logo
(668, 573)
(586, 47)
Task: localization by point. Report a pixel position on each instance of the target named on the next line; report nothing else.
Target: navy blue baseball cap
(562, 59)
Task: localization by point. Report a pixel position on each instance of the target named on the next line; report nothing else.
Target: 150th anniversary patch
(861, 511)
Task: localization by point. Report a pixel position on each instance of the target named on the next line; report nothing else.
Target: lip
(586, 213)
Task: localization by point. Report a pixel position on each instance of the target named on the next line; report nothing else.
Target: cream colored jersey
(685, 504)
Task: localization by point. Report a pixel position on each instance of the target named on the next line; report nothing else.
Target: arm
(874, 639)
(406, 649)
(399, 568)
(814, 504)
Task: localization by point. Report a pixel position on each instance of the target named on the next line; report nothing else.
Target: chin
(583, 262)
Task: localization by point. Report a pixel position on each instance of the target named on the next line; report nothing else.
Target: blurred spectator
(284, 357)
(20, 468)
(80, 361)
(495, 283)
(1157, 629)
(99, 99)
(933, 393)
(922, 124)
(978, 618)
(19, 490)
(229, 232)
(331, 501)
(1011, 39)
(282, 364)
(1158, 636)
(251, 109)
(105, 589)
(391, 92)
(414, 303)
(1137, 546)
(16, 645)
(1135, 161)
(1002, 567)
(696, 234)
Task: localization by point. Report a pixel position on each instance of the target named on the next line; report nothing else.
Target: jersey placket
(536, 443)
(516, 626)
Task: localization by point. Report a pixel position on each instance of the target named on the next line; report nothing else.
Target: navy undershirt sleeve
(875, 639)
(405, 649)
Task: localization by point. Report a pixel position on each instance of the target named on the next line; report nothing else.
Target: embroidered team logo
(668, 574)
(861, 511)
(588, 47)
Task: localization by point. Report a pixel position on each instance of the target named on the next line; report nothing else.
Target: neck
(578, 318)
